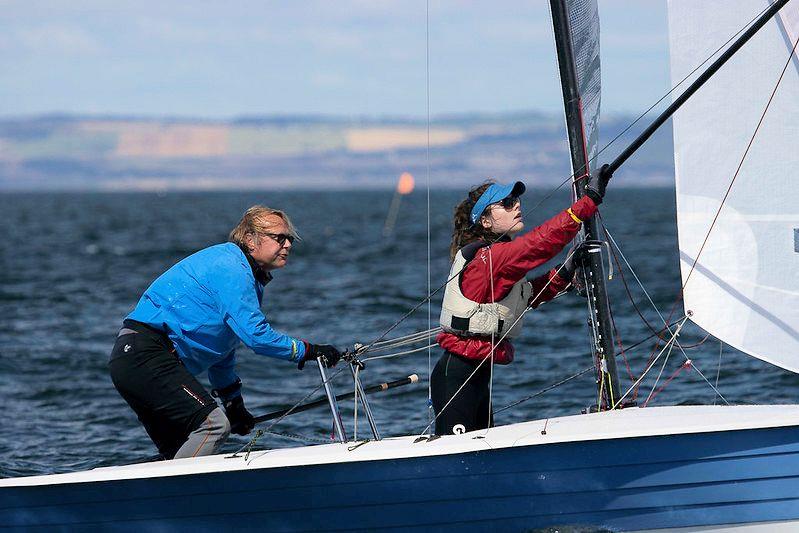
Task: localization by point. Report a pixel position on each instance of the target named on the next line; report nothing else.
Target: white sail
(742, 286)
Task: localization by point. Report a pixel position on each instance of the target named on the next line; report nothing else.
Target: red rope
(683, 366)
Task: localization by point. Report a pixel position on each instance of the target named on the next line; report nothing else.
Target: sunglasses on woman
(509, 202)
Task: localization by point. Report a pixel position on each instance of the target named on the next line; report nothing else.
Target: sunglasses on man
(280, 238)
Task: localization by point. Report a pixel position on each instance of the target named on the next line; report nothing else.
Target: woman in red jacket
(487, 294)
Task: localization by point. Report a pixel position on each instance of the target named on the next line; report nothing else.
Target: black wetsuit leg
(469, 409)
(168, 400)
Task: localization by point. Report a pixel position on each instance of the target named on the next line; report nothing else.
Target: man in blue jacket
(189, 321)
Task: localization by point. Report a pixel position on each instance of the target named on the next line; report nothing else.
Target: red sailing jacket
(511, 262)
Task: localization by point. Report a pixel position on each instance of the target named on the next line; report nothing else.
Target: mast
(593, 271)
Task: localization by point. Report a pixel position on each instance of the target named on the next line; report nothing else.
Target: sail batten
(741, 273)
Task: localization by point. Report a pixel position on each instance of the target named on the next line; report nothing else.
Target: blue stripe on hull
(641, 483)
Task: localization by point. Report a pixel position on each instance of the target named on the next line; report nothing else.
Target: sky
(356, 58)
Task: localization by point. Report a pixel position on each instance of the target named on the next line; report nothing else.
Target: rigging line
(740, 164)
(392, 355)
(649, 367)
(573, 177)
(698, 371)
(679, 345)
(427, 166)
(295, 436)
(700, 343)
(403, 338)
(640, 284)
(660, 374)
(355, 406)
(637, 280)
(624, 282)
(718, 370)
(545, 390)
(399, 341)
(621, 352)
(676, 373)
(493, 345)
(260, 432)
(581, 373)
(400, 344)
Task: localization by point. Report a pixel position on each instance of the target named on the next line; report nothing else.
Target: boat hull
(637, 483)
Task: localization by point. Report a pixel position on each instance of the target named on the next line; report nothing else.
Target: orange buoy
(405, 183)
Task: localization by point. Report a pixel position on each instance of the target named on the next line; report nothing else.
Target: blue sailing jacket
(207, 303)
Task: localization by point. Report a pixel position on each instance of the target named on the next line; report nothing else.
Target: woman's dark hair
(465, 232)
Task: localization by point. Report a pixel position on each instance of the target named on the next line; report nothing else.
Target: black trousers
(148, 374)
(469, 409)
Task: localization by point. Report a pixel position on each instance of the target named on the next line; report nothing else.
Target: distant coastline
(122, 153)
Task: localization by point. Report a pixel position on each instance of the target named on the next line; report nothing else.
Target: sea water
(72, 265)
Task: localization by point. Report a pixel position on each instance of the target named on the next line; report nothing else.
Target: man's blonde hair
(255, 222)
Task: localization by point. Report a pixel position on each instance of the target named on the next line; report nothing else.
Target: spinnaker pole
(593, 271)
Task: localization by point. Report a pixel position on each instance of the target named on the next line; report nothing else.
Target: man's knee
(219, 422)
(208, 438)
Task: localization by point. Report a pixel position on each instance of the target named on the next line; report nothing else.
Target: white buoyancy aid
(463, 316)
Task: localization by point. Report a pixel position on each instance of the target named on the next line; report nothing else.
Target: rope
(679, 346)
(581, 373)
(546, 389)
(654, 393)
(662, 368)
(261, 432)
(427, 165)
(295, 436)
(407, 352)
(355, 406)
(412, 338)
(493, 345)
(649, 367)
(624, 281)
(718, 370)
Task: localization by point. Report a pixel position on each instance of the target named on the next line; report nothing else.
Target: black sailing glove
(597, 183)
(329, 354)
(241, 421)
(578, 254)
(566, 271)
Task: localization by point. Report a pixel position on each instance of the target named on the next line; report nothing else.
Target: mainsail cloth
(584, 24)
(742, 284)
